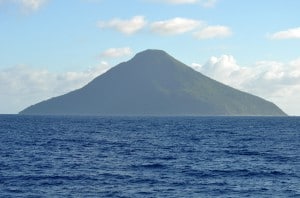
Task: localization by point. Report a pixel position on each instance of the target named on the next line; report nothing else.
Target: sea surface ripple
(81, 156)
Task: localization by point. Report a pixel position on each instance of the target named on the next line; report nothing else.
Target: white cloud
(275, 81)
(128, 27)
(116, 52)
(21, 86)
(210, 32)
(174, 26)
(287, 34)
(196, 66)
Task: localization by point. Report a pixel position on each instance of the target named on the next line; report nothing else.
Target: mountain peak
(151, 55)
(151, 52)
(153, 58)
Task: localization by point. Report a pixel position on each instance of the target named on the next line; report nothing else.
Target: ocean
(82, 156)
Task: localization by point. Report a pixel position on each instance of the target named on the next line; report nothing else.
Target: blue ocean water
(61, 156)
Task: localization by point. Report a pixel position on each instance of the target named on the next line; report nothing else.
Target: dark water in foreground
(149, 157)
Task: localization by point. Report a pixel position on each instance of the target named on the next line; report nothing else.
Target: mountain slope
(154, 83)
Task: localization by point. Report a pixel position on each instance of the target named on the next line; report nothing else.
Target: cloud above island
(126, 26)
(174, 26)
(276, 81)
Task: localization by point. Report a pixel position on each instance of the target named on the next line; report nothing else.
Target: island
(153, 83)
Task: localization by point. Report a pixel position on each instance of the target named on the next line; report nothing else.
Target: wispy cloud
(128, 27)
(275, 81)
(21, 86)
(26, 5)
(210, 32)
(174, 26)
(287, 34)
(116, 52)
(33, 5)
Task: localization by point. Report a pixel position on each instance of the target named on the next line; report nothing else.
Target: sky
(51, 47)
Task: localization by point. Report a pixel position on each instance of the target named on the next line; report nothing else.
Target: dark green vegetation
(154, 83)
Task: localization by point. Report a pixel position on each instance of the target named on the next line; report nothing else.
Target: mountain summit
(154, 83)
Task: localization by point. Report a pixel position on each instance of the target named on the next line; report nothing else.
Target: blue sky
(50, 47)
